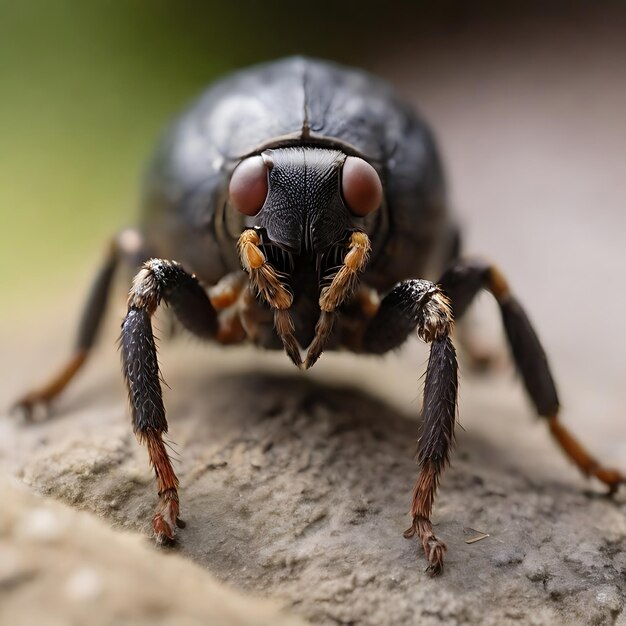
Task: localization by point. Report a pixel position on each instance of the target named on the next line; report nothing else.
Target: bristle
(323, 330)
(285, 329)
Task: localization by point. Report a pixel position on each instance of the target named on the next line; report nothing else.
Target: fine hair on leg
(159, 280)
(421, 305)
(436, 437)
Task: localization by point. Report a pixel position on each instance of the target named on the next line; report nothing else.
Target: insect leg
(159, 280)
(477, 356)
(461, 282)
(88, 328)
(411, 304)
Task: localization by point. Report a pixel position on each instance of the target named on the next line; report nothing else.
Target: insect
(299, 205)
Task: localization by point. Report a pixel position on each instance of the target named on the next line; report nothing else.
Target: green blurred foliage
(85, 89)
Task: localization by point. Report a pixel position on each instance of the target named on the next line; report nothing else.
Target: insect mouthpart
(270, 269)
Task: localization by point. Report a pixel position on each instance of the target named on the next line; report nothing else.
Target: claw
(434, 548)
(165, 522)
(434, 569)
(611, 478)
(163, 534)
(30, 409)
(43, 395)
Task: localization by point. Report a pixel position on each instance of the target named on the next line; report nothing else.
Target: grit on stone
(298, 486)
(59, 566)
(299, 489)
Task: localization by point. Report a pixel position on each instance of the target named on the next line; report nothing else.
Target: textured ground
(298, 486)
(299, 489)
(59, 566)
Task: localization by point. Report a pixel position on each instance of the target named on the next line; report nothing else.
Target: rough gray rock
(61, 567)
(299, 489)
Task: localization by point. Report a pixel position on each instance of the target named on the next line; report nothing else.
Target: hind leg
(125, 247)
(461, 282)
(477, 355)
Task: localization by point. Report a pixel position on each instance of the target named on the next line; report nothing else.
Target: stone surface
(299, 489)
(59, 566)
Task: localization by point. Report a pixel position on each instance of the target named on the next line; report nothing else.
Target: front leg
(421, 304)
(159, 280)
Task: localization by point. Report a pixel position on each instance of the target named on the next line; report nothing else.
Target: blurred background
(87, 87)
(528, 103)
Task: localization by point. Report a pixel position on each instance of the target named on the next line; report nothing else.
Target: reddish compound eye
(361, 186)
(248, 186)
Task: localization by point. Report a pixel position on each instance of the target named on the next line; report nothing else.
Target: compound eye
(361, 186)
(248, 186)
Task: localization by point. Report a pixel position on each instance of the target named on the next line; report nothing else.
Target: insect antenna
(337, 284)
(271, 285)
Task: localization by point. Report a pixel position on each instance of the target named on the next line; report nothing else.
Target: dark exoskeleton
(328, 191)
